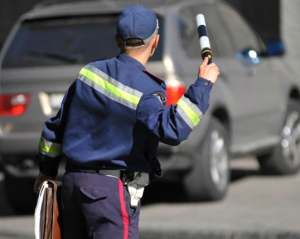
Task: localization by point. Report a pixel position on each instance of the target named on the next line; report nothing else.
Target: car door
(253, 83)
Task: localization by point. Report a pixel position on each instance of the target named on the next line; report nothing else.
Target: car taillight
(14, 104)
(175, 89)
(174, 94)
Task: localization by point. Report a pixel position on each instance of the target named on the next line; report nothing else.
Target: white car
(254, 106)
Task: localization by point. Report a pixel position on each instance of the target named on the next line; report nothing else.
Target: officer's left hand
(39, 180)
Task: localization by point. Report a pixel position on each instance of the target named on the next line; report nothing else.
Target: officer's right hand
(209, 72)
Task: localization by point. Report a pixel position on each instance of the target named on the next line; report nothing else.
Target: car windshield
(65, 41)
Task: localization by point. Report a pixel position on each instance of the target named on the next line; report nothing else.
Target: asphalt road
(256, 207)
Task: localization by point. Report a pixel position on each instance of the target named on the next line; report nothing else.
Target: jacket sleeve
(174, 123)
(51, 138)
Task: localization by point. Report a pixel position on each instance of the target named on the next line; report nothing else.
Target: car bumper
(19, 143)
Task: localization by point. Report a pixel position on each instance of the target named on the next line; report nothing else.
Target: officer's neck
(141, 55)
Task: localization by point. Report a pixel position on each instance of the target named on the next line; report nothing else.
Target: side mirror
(275, 48)
(248, 56)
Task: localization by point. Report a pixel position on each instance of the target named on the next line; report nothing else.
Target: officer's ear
(154, 44)
(156, 40)
(117, 40)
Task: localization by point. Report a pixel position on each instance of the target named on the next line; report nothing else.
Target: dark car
(254, 106)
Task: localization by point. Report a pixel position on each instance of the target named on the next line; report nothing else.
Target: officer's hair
(134, 42)
(126, 49)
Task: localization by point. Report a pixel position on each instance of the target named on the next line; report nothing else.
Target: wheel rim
(219, 160)
(290, 142)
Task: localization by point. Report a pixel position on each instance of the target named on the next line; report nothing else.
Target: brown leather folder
(48, 212)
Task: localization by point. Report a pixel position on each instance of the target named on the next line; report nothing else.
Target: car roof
(55, 8)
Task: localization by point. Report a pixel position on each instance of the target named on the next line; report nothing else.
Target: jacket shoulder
(159, 80)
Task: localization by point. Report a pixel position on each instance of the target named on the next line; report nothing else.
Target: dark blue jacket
(113, 117)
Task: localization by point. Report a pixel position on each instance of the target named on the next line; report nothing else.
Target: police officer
(108, 128)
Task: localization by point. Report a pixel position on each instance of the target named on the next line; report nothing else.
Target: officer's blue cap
(137, 22)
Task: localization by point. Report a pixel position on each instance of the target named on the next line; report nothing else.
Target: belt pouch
(136, 187)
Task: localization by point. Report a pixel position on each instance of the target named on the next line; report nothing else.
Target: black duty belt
(125, 176)
(106, 172)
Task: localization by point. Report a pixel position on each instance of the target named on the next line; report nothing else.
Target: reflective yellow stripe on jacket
(189, 111)
(110, 87)
(49, 149)
(130, 97)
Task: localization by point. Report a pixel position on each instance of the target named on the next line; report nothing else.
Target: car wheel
(210, 175)
(285, 159)
(19, 194)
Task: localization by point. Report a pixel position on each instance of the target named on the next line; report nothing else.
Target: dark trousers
(97, 207)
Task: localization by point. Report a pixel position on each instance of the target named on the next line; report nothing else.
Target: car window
(243, 36)
(219, 38)
(65, 41)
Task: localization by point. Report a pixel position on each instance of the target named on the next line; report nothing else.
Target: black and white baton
(203, 38)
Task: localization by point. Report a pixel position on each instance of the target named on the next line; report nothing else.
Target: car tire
(285, 158)
(19, 194)
(209, 178)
